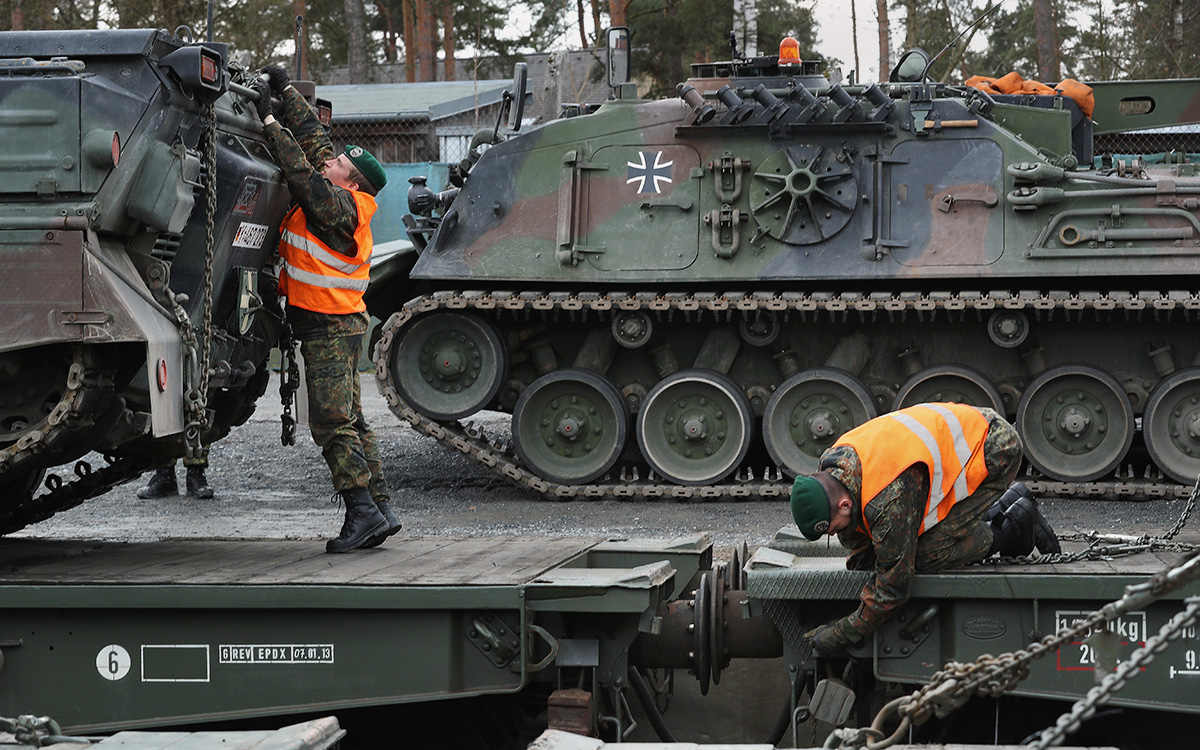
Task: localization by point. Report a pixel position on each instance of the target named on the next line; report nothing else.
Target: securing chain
(289, 381)
(1086, 707)
(992, 676)
(36, 731)
(196, 400)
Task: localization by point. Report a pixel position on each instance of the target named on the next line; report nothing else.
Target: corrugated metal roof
(412, 100)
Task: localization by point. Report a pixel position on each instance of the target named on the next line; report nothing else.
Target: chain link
(37, 731)
(992, 676)
(1086, 707)
(196, 403)
(289, 382)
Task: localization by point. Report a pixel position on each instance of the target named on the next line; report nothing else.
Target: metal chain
(37, 731)
(289, 381)
(1187, 512)
(992, 676)
(197, 404)
(1086, 707)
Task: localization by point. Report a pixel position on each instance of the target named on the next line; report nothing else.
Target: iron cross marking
(647, 177)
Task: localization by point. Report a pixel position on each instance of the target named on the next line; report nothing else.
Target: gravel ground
(264, 490)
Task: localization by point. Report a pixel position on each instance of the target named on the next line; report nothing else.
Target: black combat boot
(363, 521)
(1012, 529)
(197, 483)
(161, 484)
(394, 525)
(1044, 537)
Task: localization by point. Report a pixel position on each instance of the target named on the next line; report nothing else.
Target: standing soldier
(162, 482)
(325, 247)
(919, 489)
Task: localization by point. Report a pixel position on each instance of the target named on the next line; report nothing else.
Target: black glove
(827, 641)
(279, 78)
(263, 105)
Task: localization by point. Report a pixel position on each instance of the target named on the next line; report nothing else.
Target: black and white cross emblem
(647, 177)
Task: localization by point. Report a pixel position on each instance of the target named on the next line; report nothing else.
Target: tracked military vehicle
(138, 206)
(694, 297)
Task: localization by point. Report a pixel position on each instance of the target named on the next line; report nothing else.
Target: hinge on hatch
(726, 226)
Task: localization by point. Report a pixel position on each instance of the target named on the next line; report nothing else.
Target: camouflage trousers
(335, 414)
(962, 536)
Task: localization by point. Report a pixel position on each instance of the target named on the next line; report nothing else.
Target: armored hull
(697, 296)
(138, 210)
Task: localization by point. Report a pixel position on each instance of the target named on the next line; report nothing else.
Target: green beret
(810, 508)
(367, 164)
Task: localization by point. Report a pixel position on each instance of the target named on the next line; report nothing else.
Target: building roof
(434, 100)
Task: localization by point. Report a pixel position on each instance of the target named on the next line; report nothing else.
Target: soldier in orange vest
(325, 245)
(919, 489)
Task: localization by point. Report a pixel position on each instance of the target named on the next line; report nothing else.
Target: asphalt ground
(266, 490)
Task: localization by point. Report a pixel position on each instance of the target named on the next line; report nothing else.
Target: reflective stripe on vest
(315, 277)
(949, 442)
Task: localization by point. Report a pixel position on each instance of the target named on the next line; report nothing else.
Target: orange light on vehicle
(116, 148)
(208, 69)
(789, 51)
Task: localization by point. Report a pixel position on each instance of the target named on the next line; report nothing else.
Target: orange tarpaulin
(1013, 83)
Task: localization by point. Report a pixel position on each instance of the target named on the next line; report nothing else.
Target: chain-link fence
(1180, 138)
(397, 140)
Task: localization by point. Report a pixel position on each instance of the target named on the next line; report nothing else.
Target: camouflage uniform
(331, 344)
(893, 549)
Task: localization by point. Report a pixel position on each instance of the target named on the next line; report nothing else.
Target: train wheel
(1171, 425)
(448, 365)
(808, 412)
(695, 427)
(954, 383)
(1076, 422)
(570, 426)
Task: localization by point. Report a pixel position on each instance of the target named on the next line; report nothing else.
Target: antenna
(954, 41)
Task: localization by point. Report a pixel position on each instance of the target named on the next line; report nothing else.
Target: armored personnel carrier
(138, 206)
(694, 297)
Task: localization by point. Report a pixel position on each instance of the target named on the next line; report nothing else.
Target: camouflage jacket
(300, 146)
(895, 514)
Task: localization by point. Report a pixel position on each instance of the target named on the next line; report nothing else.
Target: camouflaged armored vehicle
(694, 297)
(138, 206)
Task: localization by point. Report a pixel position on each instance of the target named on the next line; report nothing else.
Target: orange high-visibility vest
(315, 277)
(946, 438)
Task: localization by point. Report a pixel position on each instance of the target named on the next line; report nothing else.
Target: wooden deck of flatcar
(401, 562)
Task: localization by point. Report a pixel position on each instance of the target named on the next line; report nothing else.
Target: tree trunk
(18, 17)
(425, 28)
(448, 39)
(885, 44)
(410, 40)
(356, 40)
(389, 33)
(854, 34)
(616, 12)
(1047, 50)
(299, 8)
(582, 30)
(597, 31)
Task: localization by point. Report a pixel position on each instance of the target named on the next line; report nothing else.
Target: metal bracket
(83, 317)
(494, 638)
(249, 300)
(728, 169)
(726, 230)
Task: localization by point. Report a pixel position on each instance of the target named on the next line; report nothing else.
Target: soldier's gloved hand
(263, 105)
(279, 78)
(827, 641)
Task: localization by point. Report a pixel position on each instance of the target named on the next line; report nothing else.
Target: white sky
(836, 40)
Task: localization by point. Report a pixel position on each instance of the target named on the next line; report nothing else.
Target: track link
(501, 460)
